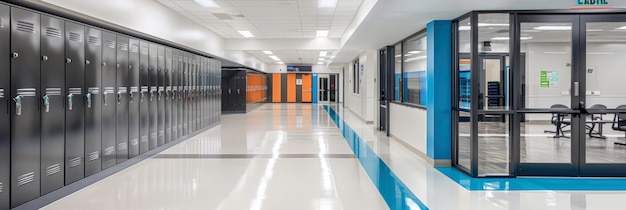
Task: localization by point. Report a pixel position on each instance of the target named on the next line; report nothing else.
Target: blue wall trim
(314, 88)
(439, 68)
(395, 193)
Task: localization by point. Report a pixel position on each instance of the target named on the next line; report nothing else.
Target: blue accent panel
(423, 88)
(396, 194)
(532, 183)
(314, 88)
(439, 74)
(405, 88)
(397, 87)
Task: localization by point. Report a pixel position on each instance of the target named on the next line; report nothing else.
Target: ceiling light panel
(321, 33)
(207, 3)
(273, 57)
(553, 28)
(323, 53)
(246, 34)
(326, 3)
(267, 52)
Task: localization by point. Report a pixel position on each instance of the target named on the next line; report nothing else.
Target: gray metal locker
(185, 85)
(174, 96)
(5, 118)
(109, 102)
(154, 111)
(122, 102)
(181, 93)
(53, 113)
(168, 93)
(160, 96)
(93, 109)
(75, 102)
(134, 97)
(144, 97)
(25, 109)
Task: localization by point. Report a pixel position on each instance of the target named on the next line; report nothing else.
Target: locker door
(93, 111)
(144, 97)
(168, 93)
(133, 98)
(122, 99)
(180, 94)
(194, 94)
(5, 149)
(109, 99)
(174, 96)
(53, 114)
(152, 78)
(160, 96)
(25, 121)
(75, 100)
(185, 94)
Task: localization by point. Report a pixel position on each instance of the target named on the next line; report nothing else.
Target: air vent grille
(24, 26)
(134, 48)
(25, 178)
(53, 32)
(76, 37)
(109, 151)
(76, 162)
(53, 169)
(109, 43)
(144, 50)
(94, 40)
(93, 156)
(123, 46)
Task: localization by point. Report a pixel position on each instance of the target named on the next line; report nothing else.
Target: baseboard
(430, 161)
(53, 196)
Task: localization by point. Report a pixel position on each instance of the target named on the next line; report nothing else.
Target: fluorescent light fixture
(493, 24)
(560, 53)
(594, 30)
(280, 62)
(416, 58)
(267, 52)
(321, 59)
(274, 58)
(332, 56)
(326, 3)
(207, 3)
(322, 33)
(320, 63)
(415, 52)
(600, 53)
(397, 56)
(554, 28)
(464, 28)
(507, 38)
(323, 53)
(246, 34)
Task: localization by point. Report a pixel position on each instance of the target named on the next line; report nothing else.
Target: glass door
(547, 135)
(603, 95)
(323, 88)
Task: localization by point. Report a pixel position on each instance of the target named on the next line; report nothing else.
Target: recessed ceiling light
(415, 52)
(323, 53)
(321, 59)
(274, 58)
(326, 3)
(267, 52)
(207, 3)
(280, 62)
(464, 28)
(320, 63)
(322, 33)
(554, 28)
(493, 24)
(507, 38)
(246, 34)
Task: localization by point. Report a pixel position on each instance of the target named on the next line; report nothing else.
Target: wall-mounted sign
(298, 81)
(592, 2)
(549, 79)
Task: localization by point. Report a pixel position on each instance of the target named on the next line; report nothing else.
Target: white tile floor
(302, 162)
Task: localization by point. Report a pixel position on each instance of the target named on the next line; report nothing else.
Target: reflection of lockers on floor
(292, 88)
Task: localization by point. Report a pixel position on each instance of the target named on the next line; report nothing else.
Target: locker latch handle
(104, 97)
(68, 60)
(46, 103)
(18, 104)
(173, 95)
(131, 97)
(141, 97)
(151, 95)
(88, 95)
(159, 95)
(119, 98)
(70, 101)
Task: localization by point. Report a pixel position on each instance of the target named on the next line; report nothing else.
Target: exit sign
(592, 2)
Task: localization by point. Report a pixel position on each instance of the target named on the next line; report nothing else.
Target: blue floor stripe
(533, 183)
(396, 194)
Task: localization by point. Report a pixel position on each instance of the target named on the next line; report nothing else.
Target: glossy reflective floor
(293, 156)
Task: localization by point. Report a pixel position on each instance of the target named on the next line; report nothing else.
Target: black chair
(560, 121)
(596, 120)
(619, 122)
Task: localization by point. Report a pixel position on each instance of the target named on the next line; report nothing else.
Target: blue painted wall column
(439, 72)
(314, 89)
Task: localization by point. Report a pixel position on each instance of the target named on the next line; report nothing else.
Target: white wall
(364, 103)
(152, 18)
(408, 124)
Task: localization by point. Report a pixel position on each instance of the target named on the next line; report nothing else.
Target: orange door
(306, 88)
(291, 88)
(276, 88)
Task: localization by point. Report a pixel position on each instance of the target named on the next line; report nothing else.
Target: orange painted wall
(307, 95)
(276, 88)
(291, 87)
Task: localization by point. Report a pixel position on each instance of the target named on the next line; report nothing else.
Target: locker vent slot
(25, 178)
(1, 26)
(144, 139)
(53, 169)
(123, 46)
(1, 185)
(1, 93)
(76, 162)
(122, 146)
(27, 92)
(161, 133)
(53, 91)
(134, 48)
(93, 156)
(109, 150)
(169, 130)
(109, 43)
(153, 135)
(122, 90)
(93, 40)
(134, 142)
(53, 32)
(94, 90)
(144, 89)
(144, 50)
(76, 91)
(26, 27)
(134, 89)
(76, 37)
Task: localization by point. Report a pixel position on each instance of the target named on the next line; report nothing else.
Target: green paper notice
(549, 79)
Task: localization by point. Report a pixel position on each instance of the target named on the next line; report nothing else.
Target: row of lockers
(234, 90)
(75, 100)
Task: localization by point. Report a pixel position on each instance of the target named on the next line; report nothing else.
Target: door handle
(70, 101)
(46, 103)
(119, 98)
(104, 97)
(88, 96)
(18, 104)
(130, 96)
(576, 88)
